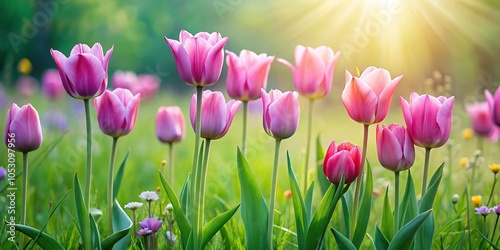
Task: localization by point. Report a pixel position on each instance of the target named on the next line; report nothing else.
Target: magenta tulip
(342, 159)
(313, 71)
(367, 98)
(23, 132)
(84, 73)
(428, 119)
(117, 111)
(124, 80)
(199, 58)
(281, 113)
(247, 74)
(170, 125)
(482, 124)
(494, 103)
(216, 114)
(395, 148)
(52, 85)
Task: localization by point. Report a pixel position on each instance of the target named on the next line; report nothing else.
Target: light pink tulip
(428, 119)
(84, 73)
(23, 131)
(342, 159)
(124, 80)
(146, 85)
(281, 113)
(117, 111)
(52, 85)
(26, 86)
(170, 125)
(216, 114)
(199, 58)
(367, 98)
(247, 74)
(494, 103)
(481, 120)
(395, 148)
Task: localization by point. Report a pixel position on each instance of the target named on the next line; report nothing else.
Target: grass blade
(45, 241)
(299, 208)
(342, 241)
(119, 176)
(364, 209)
(404, 237)
(213, 226)
(82, 214)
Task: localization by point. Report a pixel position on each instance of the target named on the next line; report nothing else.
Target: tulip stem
(270, 222)
(494, 228)
(396, 202)
(202, 182)
(426, 171)
(110, 185)
(171, 162)
(88, 176)
(359, 179)
(25, 188)
(244, 133)
(308, 143)
(194, 170)
(492, 188)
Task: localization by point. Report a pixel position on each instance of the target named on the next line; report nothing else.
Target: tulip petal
(367, 71)
(232, 108)
(236, 76)
(13, 110)
(213, 115)
(60, 59)
(183, 36)
(425, 127)
(107, 104)
(96, 50)
(389, 150)
(285, 114)
(360, 101)
(385, 98)
(182, 60)
(309, 72)
(257, 77)
(85, 74)
(213, 62)
(106, 59)
(340, 163)
(26, 127)
(79, 49)
(444, 118)
(131, 113)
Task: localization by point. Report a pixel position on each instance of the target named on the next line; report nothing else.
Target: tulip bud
(22, 129)
(170, 125)
(395, 147)
(281, 113)
(342, 159)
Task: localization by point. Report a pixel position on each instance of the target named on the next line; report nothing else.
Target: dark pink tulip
(482, 124)
(84, 73)
(199, 58)
(22, 128)
(395, 148)
(216, 114)
(313, 71)
(247, 74)
(494, 103)
(117, 111)
(281, 113)
(428, 119)
(52, 85)
(367, 98)
(170, 126)
(342, 159)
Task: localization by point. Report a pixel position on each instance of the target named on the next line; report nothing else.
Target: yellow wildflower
(24, 66)
(495, 167)
(464, 162)
(476, 200)
(467, 133)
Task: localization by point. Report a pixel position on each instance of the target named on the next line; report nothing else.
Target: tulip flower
(146, 85)
(52, 85)
(395, 147)
(23, 131)
(170, 124)
(199, 58)
(281, 113)
(482, 124)
(342, 159)
(494, 103)
(26, 86)
(216, 114)
(117, 111)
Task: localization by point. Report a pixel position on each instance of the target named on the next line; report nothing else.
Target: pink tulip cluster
(147, 85)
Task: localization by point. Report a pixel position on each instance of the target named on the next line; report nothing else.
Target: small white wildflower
(149, 196)
(169, 207)
(133, 205)
(170, 236)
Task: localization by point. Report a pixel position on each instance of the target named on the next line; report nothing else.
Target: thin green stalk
(426, 170)
(110, 185)
(244, 133)
(484, 225)
(171, 229)
(396, 202)
(467, 228)
(171, 162)
(194, 170)
(274, 183)
(134, 223)
(201, 191)
(359, 179)
(495, 228)
(308, 142)
(150, 212)
(88, 176)
(24, 195)
(492, 188)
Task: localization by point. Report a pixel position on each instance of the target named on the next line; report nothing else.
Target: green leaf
(299, 208)
(347, 216)
(342, 241)
(404, 237)
(324, 183)
(408, 208)
(253, 206)
(323, 214)
(308, 201)
(213, 226)
(364, 209)
(121, 227)
(45, 241)
(381, 242)
(119, 176)
(387, 223)
(82, 214)
(180, 217)
(96, 238)
(185, 195)
(487, 240)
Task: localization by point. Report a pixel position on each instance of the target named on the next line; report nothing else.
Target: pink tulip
(22, 129)
(395, 147)
(428, 119)
(117, 111)
(281, 113)
(146, 85)
(84, 73)
(482, 124)
(170, 124)
(313, 71)
(26, 86)
(247, 74)
(494, 103)
(124, 80)
(216, 115)
(52, 85)
(199, 58)
(367, 98)
(344, 159)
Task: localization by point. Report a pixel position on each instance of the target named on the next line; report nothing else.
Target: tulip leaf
(253, 206)
(185, 195)
(381, 242)
(324, 183)
(408, 208)
(404, 237)
(387, 223)
(96, 238)
(487, 240)
(45, 241)
(82, 214)
(299, 208)
(119, 176)
(180, 217)
(364, 209)
(342, 241)
(121, 227)
(214, 225)
(323, 214)
(347, 216)
(308, 200)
